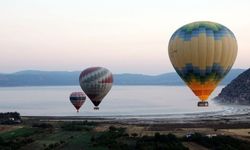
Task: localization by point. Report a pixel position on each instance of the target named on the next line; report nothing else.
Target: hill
(237, 92)
(51, 78)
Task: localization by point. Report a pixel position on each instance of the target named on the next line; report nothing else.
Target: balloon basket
(96, 108)
(202, 104)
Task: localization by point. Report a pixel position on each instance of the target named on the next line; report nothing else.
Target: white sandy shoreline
(233, 114)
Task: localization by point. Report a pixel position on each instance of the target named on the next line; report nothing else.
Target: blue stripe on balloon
(185, 35)
(196, 71)
(195, 33)
(208, 70)
(209, 33)
(190, 69)
(202, 30)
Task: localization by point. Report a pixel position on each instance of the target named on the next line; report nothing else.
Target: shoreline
(229, 121)
(233, 115)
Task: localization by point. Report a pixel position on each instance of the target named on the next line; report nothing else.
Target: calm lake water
(121, 101)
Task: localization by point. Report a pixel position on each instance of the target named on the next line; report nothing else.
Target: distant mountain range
(49, 78)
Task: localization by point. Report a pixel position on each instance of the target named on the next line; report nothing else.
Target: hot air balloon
(202, 53)
(77, 99)
(96, 82)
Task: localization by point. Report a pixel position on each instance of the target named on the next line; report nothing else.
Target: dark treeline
(219, 142)
(118, 139)
(10, 118)
(78, 126)
(8, 115)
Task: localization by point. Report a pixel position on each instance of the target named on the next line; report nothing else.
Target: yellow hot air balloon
(202, 53)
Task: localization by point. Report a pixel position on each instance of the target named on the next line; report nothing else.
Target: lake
(155, 101)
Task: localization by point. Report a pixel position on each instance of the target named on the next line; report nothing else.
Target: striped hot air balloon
(77, 99)
(202, 53)
(96, 82)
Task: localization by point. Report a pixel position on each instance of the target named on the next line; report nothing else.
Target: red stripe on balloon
(89, 70)
(108, 79)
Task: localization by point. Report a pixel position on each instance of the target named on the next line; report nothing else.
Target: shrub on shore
(43, 125)
(117, 139)
(78, 126)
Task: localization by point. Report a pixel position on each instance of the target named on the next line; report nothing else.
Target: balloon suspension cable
(96, 108)
(77, 111)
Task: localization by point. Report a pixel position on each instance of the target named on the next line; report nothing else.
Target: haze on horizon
(124, 36)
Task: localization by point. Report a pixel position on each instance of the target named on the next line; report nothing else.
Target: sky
(126, 36)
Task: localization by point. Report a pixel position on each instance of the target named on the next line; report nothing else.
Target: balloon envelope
(96, 82)
(202, 53)
(77, 99)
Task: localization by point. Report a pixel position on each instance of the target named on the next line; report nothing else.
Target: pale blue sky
(124, 36)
